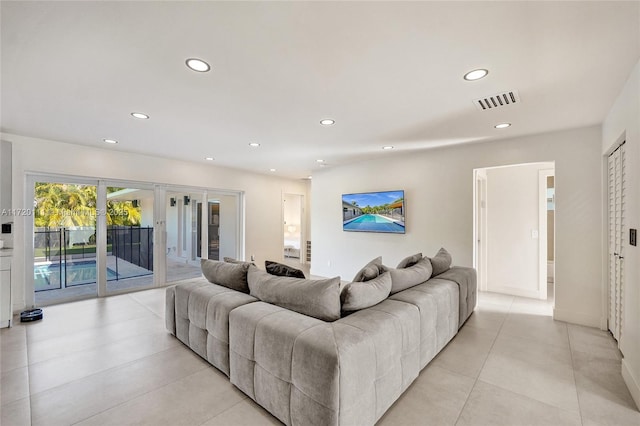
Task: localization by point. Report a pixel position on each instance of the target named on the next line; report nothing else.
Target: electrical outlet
(534, 234)
(253, 257)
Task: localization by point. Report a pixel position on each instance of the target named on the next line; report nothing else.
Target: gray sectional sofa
(308, 371)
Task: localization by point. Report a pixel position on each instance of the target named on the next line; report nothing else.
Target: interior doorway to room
(514, 229)
(292, 211)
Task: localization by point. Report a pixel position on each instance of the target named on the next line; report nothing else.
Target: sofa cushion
(230, 275)
(364, 294)
(410, 261)
(282, 270)
(369, 271)
(404, 278)
(315, 298)
(441, 262)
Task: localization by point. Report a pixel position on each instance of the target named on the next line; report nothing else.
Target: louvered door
(616, 192)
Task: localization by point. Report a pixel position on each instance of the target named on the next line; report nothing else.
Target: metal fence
(67, 257)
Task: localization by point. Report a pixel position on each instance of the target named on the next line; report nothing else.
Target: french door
(616, 195)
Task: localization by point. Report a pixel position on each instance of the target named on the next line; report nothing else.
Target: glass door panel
(129, 261)
(64, 237)
(184, 215)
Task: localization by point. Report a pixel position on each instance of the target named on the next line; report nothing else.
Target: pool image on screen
(373, 212)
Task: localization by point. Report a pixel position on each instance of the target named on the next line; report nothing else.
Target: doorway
(292, 212)
(511, 228)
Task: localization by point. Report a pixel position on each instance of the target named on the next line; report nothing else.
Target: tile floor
(110, 362)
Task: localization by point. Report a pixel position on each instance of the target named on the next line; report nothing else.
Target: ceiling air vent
(497, 101)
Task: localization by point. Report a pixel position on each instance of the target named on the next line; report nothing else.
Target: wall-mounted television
(374, 212)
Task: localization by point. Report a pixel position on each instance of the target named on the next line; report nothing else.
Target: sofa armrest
(467, 282)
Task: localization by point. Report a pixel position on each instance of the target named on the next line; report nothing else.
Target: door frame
(542, 233)
(303, 256)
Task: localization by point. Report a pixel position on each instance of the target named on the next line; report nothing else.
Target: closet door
(616, 189)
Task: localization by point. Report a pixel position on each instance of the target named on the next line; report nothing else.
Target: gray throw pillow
(410, 261)
(315, 298)
(441, 262)
(369, 271)
(230, 275)
(282, 270)
(360, 295)
(402, 279)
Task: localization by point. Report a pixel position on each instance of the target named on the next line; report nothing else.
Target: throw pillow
(441, 262)
(369, 271)
(361, 295)
(240, 262)
(315, 298)
(410, 261)
(402, 279)
(230, 275)
(282, 270)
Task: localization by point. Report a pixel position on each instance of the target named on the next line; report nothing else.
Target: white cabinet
(5, 291)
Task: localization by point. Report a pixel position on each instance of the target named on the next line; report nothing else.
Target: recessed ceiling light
(110, 141)
(254, 144)
(476, 74)
(272, 170)
(140, 115)
(319, 161)
(197, 65)
(309, 177)
(502, 125)
(327, 122)
(387, 147)
(209, 158)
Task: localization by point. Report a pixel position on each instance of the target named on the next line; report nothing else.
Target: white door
(616, 188)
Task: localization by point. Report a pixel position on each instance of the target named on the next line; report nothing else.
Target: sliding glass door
(64, 241)
(95, 238)
(130, 237)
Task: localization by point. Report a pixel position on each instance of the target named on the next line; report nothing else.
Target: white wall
(263, 193)
(512, 209)
(228, 225)
(438, 188)
(623, 123)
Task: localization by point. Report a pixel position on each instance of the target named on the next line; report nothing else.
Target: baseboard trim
(577, 318)
(632, 383)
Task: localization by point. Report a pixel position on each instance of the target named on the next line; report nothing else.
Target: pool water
(373, 223)
(48, 277)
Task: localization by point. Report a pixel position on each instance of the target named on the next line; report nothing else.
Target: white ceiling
(389, 73)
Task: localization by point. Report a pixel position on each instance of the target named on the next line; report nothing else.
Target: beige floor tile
(13, 358)
(435, 398)
(495, 298)
(66, 319)
(528, 305)
(188, 401)
(467, 352)
(13, 337)
(57, 371)
(14, 385)
(43, 350)
(488, 316)
(81, 399)
(152, 300)
(491, 405)
(533, 369)
(603, 395)
(593, 341)
(17, 413)
(540, 328)
(244, 413)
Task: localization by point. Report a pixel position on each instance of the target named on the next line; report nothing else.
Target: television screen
(373, 212)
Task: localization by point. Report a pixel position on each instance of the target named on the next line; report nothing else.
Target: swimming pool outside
(374, 223)
(50, 276)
